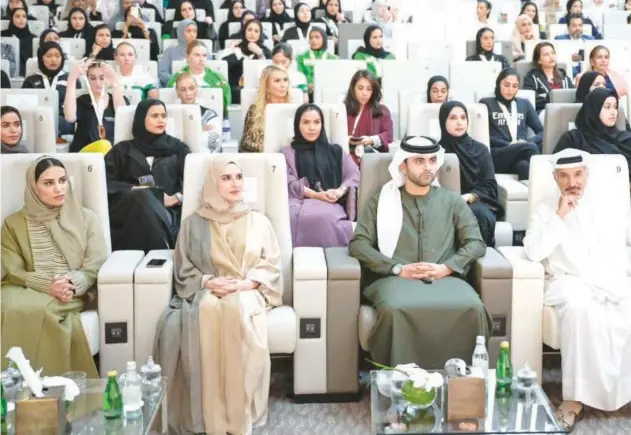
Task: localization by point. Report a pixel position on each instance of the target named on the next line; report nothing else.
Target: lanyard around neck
(301, 36)
(99, 109)
(47, 84)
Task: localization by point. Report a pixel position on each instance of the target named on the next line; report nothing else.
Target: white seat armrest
(523, 268)
(152, 293)
(119, 267)
(309, 264)
(503, 234)
(512, 190)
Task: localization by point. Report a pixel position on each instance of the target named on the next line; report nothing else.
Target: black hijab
(281, 18)
(598, 136)
(474, 158)
(23, 34)
(369, 49)
(41, 52)
(86, 33)
(501, 76)
(106, 53)
(430, 83)
(326, 11)
(299, 24)
(325, 40)
(584, 85)
(152, 145)
(231, 17)
(45, 33)
(178, 11)
(478, 43)
(320, 162)
(243, 45)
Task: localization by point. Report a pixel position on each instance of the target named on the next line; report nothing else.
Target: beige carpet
(287, 418)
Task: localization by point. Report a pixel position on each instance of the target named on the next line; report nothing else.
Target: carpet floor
(287, 418)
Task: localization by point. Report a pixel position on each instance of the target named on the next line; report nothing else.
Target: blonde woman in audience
(273, 88)
(93, 121)
(369, 122)
(196, 56)
(318, 44)
(282, 55)
(11, 131)
(524, 31)
(212, 338)
(52, 250)
(187, 92)
(130, 76)
(373, 52)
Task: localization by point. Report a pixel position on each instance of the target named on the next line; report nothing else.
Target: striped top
(48, 261)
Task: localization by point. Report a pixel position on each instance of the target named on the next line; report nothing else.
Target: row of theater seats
(321, 320)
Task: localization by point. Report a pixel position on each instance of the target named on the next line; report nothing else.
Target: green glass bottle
(112, 398)
(3, 424)
(504, 369)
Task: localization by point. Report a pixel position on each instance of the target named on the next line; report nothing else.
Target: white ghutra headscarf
(389, 209)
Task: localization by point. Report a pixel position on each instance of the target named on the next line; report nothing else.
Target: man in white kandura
(582, 245)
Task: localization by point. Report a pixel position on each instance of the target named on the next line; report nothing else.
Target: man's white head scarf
(389, 209)
(570, 158)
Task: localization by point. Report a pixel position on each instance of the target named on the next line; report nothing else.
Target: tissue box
(466, 398)
(42, 416)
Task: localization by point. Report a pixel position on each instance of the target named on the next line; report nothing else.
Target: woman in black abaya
(596, 131)
(477, 175)
(145, 178)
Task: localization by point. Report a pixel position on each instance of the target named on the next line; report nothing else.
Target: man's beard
(420, 181)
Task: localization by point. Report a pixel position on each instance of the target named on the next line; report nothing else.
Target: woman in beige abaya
(212, 339)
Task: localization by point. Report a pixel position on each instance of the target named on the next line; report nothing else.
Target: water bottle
(480, 357)
(151, 377)
(131, 386)
(226, 130)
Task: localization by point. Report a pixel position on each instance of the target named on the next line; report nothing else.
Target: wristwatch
(179, 197)
(397, 269)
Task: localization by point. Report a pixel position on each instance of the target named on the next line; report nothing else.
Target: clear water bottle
(480, 357)
(131, 387)
(226, 130)
(151, 377)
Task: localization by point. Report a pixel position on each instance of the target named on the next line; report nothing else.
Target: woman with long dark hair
(545, 75)
(369, 122)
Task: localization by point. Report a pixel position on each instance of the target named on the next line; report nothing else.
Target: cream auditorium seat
(142, 47)
(166, 43)
(184, 122)
(35, 26)
(252, 69)
(480, 78)
(38, 128)
(562, 96)
(109, 327)
(248, 97)
(407, 76)
(334, 95)
(560, 118)
(513, 195)
(279, 125)
(210, 98)
(610, 173)
(220, 66)
(491, 275)
(15, 44)
(339, 71)
(306, 325)
(31, 98)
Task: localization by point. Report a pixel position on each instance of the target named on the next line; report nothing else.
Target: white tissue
(31, 378)
(71, 389)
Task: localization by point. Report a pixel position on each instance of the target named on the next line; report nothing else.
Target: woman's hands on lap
(221, 287)
(62, 289)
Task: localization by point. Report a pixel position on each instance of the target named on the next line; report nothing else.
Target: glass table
(507, 414)
(85, 413)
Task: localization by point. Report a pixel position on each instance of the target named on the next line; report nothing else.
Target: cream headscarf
(517, 38)
(216, 208)
(67, 223)
(389, 210)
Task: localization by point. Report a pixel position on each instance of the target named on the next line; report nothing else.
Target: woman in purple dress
(323, 180)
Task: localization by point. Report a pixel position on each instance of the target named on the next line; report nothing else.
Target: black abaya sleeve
(485, 187)
(566, 141)
(116, 169)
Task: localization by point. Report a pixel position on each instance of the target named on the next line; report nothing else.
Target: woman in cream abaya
(212, 339)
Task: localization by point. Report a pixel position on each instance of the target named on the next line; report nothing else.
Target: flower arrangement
(419, 387)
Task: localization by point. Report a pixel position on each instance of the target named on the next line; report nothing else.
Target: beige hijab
(518, 38)
(66, 224)
(216, 208)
